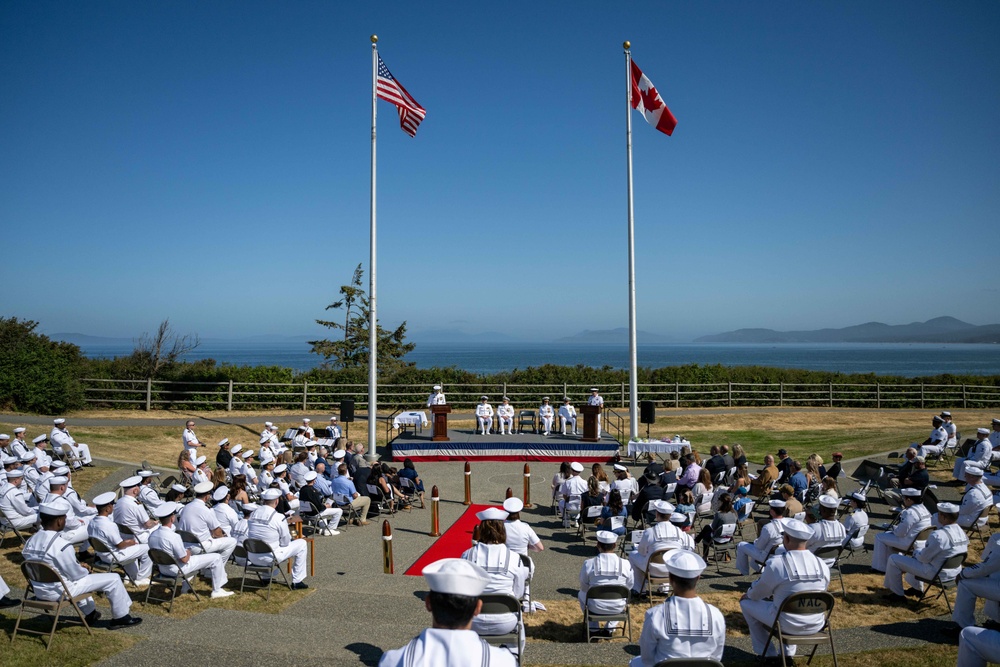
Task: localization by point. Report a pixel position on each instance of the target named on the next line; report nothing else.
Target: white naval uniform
(50, 548)
(952, 432)
(856, 519)
(604, 569)
(568, 414)
(980, 581)
(943, 543)
(265, 455)
(574, 487)
(436, 398)
(546, 414)
(911, 521)
(980, 453)
(994, 437)
(268, 525)
(597, 400)
(18, 447)
(681, 628)
(978, 647)
(75, 531)
(507, 576)
(199, 519)
(41, 457)
(505, 412)
(191, 444)
(4, 588)
(130, 513)
(796, 571)
(939, 440)
(226, 516)
(235, 466)
(827, 533)
(149, 497)
(447, 648)
(15, 507)
(975, 500)
(661, 535)
(484, 417)
(520, 536)
(752, 555)
(134, 559)
(63, 439)
(165, 538)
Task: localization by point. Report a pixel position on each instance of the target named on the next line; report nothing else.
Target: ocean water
(907, 360)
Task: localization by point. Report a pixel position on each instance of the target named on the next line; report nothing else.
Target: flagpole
(371, 455)
(633, 408)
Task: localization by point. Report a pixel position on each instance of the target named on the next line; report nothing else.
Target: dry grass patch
(71, 647)
(251, 600)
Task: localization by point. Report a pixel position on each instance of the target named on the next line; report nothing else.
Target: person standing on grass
(191, 441)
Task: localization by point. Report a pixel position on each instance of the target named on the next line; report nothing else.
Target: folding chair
(379, 499)
(634, 538)
(919, 537)
(807, 603)
(589, 521)
(101, 548)
(408, 489)
(256, 547)
(526, 418)
(530, 566)
(976, 529)
(169, 581)
(607, 592)
(191, 541)
(37, 571)
(653, 580)
(862, 532)
(343, 502)
(310, 516)
(951, 563)
(723, 544)
(7, 525)
(640, 524)
(504, 604)
(835, 552)
(701, 515)
(746, 518)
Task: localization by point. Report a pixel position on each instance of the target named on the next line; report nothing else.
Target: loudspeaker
(647, 412)
(347, 410)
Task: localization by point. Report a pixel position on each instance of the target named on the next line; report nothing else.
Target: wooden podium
(440, 413)
(590, 413)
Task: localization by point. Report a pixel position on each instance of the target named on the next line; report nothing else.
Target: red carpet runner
(452, 543)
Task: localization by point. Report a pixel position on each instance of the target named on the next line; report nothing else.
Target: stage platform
(468, 446)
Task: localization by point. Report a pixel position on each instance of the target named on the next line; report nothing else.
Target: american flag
(391, 90)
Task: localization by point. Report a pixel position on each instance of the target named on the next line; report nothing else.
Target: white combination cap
(484, 398)
(310, 476)
(268, 424)
(306, 420)
(662, 507)
(606, 537)
(166, 509)
(945, 413)
(576, 466)
(235, 449)
(505, 398)
(456, 576)
(829, 502)
(247, 453)
(911, 492)
(148, 473)
(41, 438)
(491, 514)
(983, 431)
(513, 505)
(685, 564)
(333, 419)
(436, 387)
(264, 439)
(200, 460)
(270, 494)
(129, 482)
(54, 509)
(58, 421)
(202, 488)
(620, 467)
(280, 468)
(223, 442)
(565, 399)
(594, 389)
(220, 493)
(105, 499)
(545, 398)
(339, 454)
(947, 508)
(798, 529)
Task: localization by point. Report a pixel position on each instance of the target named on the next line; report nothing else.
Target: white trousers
(485, 423)
(887, 544)
(568, 420)
(218, 545)
(81, 451)
(498, 624)
(330, 517)
(297, 550)
(899, 565)
(23, 522)
(213, 563)
(598, 425)
(4, 588)
(748, 558)
(546, 423)
(759, 615)
(987, 588)
(109, 584)
(78, 537)
(508, 422)
(134, 560)
(601, 607)
(977, 647)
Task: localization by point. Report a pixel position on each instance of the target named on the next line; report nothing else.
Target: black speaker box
(647, 412)
(347, 410)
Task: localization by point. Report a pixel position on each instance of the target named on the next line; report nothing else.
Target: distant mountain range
(616, 336)
(938, 330)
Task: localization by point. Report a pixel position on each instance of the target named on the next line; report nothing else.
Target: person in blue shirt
(343, 487)
(614, 508)
(410, 473)
(799, 481)
(322, 483)
(741, 501)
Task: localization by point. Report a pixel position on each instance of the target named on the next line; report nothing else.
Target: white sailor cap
(436, 387)
(983, 431)
(456, 576)
(685, 564)
(234, 450)
(8, 460)
(995, 421)
(829, 502)
(4, 436)
(777, 504)
(911, 492)
(576, 466)
(594, 389)
(973, 469)
(339, 454)
(280, 468)
(223, 442)
(947, 508)
(798, 529)
(491, 514)
(268, 424)
(935, 418)
(606, 537)
(860, 497)
(273, 427)
(620, 467)
(200, 460)
(270, 494)
(220, 493)
(246, 453)
(57, 480)
(21, 429)
(54, 509)
(179, 488)
(249, 507)
(40, 438)
(42, 463)
(15, 473)
(306, 420)
(545, 398)
(678, 518)
(946, 414)
(310, 476)
(58, 421)
(129, 482)
(264, 439)
(513, 505)
(166, 509)
(662, 507)
(201, 488)
(27, 456)
(148, 473)
(105, 499)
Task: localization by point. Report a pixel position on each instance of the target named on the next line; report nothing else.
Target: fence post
(878, 395)
(964, 401)
(504, 389)
(149, 394)
(831, 394)
(229, 397)
(305, 394)
(921, 395)
(677, 394)
(730, 394)
(565, 389)
(781, 394)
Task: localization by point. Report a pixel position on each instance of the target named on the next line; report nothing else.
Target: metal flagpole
(372, 317)
(633, 392)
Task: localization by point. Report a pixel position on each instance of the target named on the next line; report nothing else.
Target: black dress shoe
(125, 621)
(892, 598)
(952, 631)
(911, 591)
(93, 617)
(300, 586)
(6, 602)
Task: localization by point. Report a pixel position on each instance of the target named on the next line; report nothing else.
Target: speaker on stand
(347, 415)
(647, 414)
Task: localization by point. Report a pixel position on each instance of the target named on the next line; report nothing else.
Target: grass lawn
(71, 647)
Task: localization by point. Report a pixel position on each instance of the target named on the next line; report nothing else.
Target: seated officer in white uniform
(936, 441)
(976, 500)
(41, 456)
(61, 440)
(165, 538)
(235, 463)
(796, 571)
(950, 428)
(202, 473)
(571, 492)
(134, 557)
(827, 532)
(752, 555)
(684, 626)
(18, 447)
(978, 581)
(857, 518)
(521, 538)
(455, 586)
(505, 415)
(147, 492)
(506, 573)
(48, 546)
(913, 519)
(74, 527)
(130, 513)
(568, 415)
(596, 399)
(545, 416)
(981, 454)
(224, 512)
(978, 647)
(268, 525)
(663, 534)
(994, 439)
(484, 415)
(947, 541)
(605, 569)
(6, 602)
(198, 519)
(242, 528)
(14, 503)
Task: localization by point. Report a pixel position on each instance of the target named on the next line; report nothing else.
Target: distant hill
(456, 336)
(617, 336)
(937, 330)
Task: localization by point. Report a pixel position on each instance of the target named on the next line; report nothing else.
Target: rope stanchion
(468, 484)
(435, 520)
(387, 565)
(527, 486)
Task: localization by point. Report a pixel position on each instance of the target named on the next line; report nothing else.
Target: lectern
(590, 413)
(440, 413)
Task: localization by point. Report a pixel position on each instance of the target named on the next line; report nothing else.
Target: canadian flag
(646, 99)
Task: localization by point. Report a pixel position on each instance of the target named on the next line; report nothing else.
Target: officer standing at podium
(596, 399)
(436, 398)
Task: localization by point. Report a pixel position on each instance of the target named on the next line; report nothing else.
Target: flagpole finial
(374, 39)
(627, 45)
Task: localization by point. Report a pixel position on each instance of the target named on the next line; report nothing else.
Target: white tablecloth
(635, 448)
(410, 419)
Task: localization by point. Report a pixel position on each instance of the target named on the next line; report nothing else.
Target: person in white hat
(265, 455)
(994, 438)
(309, 432)
(596, 399)
(684, 626)
(605, 569)
(505, 416)
(506, 572)
(437, 396)
(248, 469)
(223, 510)
(129, 512)
(571, 492)
(190, 440)
(947, 541)
(977, 498)
(223, 457)
(267, 429)
(828, 531)
(662, 535)
(41, 456)
(545, 416)
(328, 516)
(857, 519)
(49, 547)
(627, 485)
(14, 501)
(950, 428)
(268, 525)
(978, 581)
(5, 444)
(132, 556)
(796, 571)
(147, 492)
(567, 414)
(751, 556)
(283, 485)
(521, 538)
(455, 586)
(333, 431)
(937, 441)
(202, 473)
(18, 447)
(31, 475)
(40, 487)
(74, 527)
(484, 415)
(981, 454)
(64, 442)
(914, 518)
(198, 519)
(165, 538)
(276, 446)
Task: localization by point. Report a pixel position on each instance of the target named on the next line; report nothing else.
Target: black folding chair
(951, 563)
(807, 603)
(168, 581)
(41, 573)
(504, 604)
(256, 547)
(607, 592)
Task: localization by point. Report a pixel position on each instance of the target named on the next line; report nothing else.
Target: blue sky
(833, 163)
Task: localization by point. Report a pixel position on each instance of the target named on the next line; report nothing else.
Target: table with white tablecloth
(412, 418)
(635, 448)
